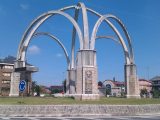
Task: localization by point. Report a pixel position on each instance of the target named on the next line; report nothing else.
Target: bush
(143, 92)
(156, 93)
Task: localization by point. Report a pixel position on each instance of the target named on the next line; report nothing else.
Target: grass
(62, 101)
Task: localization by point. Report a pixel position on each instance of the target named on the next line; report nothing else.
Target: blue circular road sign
(22, 85)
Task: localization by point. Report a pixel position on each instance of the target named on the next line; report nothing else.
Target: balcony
(7, 70)
(5, 85)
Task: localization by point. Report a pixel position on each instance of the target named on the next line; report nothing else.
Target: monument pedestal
(86, 96)
(86, 75)
(21, 72)
(14, 89)
(70, 82)
(132, 83)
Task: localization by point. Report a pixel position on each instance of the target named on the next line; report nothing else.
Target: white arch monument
(82, 72)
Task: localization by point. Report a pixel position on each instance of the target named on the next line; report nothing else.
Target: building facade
(6, 70)
(117, 89)
(155, 83)
(114, 88)
(145, 84)
(57, 89)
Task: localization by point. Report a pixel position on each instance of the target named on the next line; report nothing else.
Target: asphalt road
(85, 118)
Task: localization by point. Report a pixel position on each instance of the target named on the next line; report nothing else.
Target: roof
(8, 59)
(144, 80)
(155, 78)
(107, 80)
(7, 64)
(56, 87)
(118, 83)
(121, 83)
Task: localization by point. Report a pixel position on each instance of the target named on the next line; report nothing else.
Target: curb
(77, 110)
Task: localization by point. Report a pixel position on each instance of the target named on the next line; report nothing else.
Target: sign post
(22, 86)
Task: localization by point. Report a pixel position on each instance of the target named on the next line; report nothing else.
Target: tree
(53, 91)
(143, 92)
(38, 90)
(35, 88)
(108, 89)
(9, 59)
(156, 93)
(108, 92)
(100, 83)
(64, 85)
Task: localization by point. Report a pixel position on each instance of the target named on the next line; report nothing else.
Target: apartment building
(5, 78)
(155, 83)
(117, 88)
(6, 70)
(145, 84)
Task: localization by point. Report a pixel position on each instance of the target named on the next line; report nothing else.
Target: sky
(141, 18)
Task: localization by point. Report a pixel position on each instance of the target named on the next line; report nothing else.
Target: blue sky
(141, 17)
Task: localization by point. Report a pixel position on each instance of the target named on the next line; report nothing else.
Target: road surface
(150, 117)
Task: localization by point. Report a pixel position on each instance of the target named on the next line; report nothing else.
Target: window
(155, 82)
(7, 74)
(108, 86)
(6, 81)
(8, 67)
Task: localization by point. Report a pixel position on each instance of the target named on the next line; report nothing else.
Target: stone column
(1, 81)
(70, 82)
(14, 85)
(131, 80)
(19, 64)
(86, 75)
(27, 76)
(67, 82)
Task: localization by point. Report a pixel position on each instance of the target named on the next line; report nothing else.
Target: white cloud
(34, 49)
(59, 55)
(24, 6)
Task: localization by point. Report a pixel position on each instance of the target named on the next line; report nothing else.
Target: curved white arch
(126, 34)
(85, 25)
(124, 29)
(108, 37)
(85, 30)
(42, 18)
(21, 54)
(58, 41)
(74, 39)
(94, 32)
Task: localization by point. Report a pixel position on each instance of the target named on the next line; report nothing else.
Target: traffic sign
(22, 85)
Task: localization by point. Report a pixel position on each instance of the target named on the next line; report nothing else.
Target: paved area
(85, 118)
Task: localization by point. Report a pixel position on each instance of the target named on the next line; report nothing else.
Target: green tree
(34, 84)
(9, 59)
(156, 93)
(35, 88)
(143, 92)
(108, 92)
(100, 83)
(53, 91)
(64, 85)
(38, 90)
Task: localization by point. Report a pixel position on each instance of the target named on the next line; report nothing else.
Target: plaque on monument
(88, 82)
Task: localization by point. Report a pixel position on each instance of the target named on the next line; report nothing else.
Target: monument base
(14, 95)
(133, 96)
(14, 89)
(131, 79)
(86, 96)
